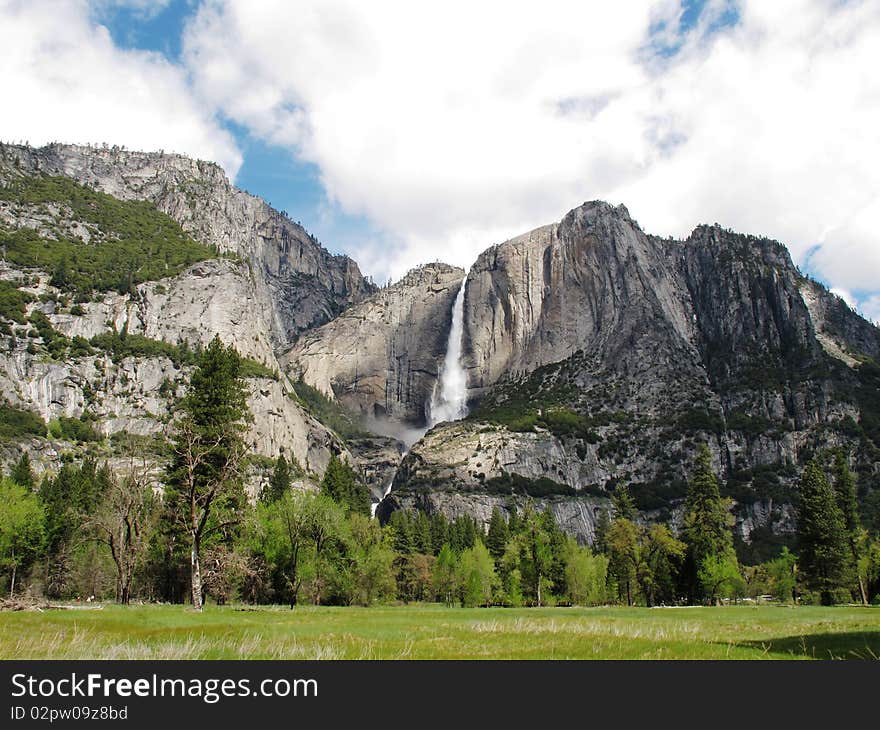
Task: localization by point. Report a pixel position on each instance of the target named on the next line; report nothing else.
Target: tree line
(189, 533)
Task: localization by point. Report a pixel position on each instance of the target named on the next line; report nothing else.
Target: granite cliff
(381, 357)
(597, 354)
(261, 281)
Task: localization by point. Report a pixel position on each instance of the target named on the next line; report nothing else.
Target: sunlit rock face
(597, 354)
(382, 357)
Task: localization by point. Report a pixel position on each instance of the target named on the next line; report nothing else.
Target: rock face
(597, 354)
(297, 284)
(593, 282)
(381, 357)
(275, 282)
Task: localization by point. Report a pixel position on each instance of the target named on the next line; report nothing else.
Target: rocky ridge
(597, 354)
(274, 282)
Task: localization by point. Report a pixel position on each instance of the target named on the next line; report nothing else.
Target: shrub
(73, 429)
(16, 423)
(13, 302)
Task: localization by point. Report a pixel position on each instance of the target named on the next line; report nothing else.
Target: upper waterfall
(449, 399)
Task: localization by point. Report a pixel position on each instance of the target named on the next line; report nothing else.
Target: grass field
(436, 632)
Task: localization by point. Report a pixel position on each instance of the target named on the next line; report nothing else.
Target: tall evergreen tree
(707, 523)
(821, 530)
(496, 539)
(439, 532)
(847, 500)
(622, 501)
(422, 533)
(401, 525)
(22, 473)
(600, 536)
(622, 541)
(340, 483)
(279, 482)
(204, 478)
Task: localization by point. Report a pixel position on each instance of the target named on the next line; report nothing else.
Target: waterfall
(449, 399)
(375, 505)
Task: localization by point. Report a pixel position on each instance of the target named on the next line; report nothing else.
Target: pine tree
(496, 540)
(21, 473)
(204, 478)
(847, 500)
(623, 557)
(439, 532)
(821, 530)
(600, 536)
(422, 534)
(622, 501)
(402, 526)
(513, 521)
(341, 485)
(279, 483)
(707, 523)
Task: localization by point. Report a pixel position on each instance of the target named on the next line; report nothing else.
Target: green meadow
(437, 632)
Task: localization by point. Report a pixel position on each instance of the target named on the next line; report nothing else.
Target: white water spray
(449, 399)
(375, 505)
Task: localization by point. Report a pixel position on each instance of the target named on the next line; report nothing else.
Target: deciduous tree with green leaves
(476, 576)
(585, 575)
(22, 532)
(445, 570)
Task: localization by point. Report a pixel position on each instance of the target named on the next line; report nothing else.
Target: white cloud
(64, 79)
(846, 296)
(456, 127)
(870, 307)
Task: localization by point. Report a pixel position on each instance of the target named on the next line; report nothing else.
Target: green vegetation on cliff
(13, 302)
(16, 423)
(329, 412)
(132, 241)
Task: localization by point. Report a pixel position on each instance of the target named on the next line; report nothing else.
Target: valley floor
(437, 632)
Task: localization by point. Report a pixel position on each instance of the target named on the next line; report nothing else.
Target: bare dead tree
(123, 520)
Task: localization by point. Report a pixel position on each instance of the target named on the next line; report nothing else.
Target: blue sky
(269, 171)
(401, 133)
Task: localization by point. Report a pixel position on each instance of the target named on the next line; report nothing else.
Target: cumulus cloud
(455, 127)
(65, 80)
(871, 308)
